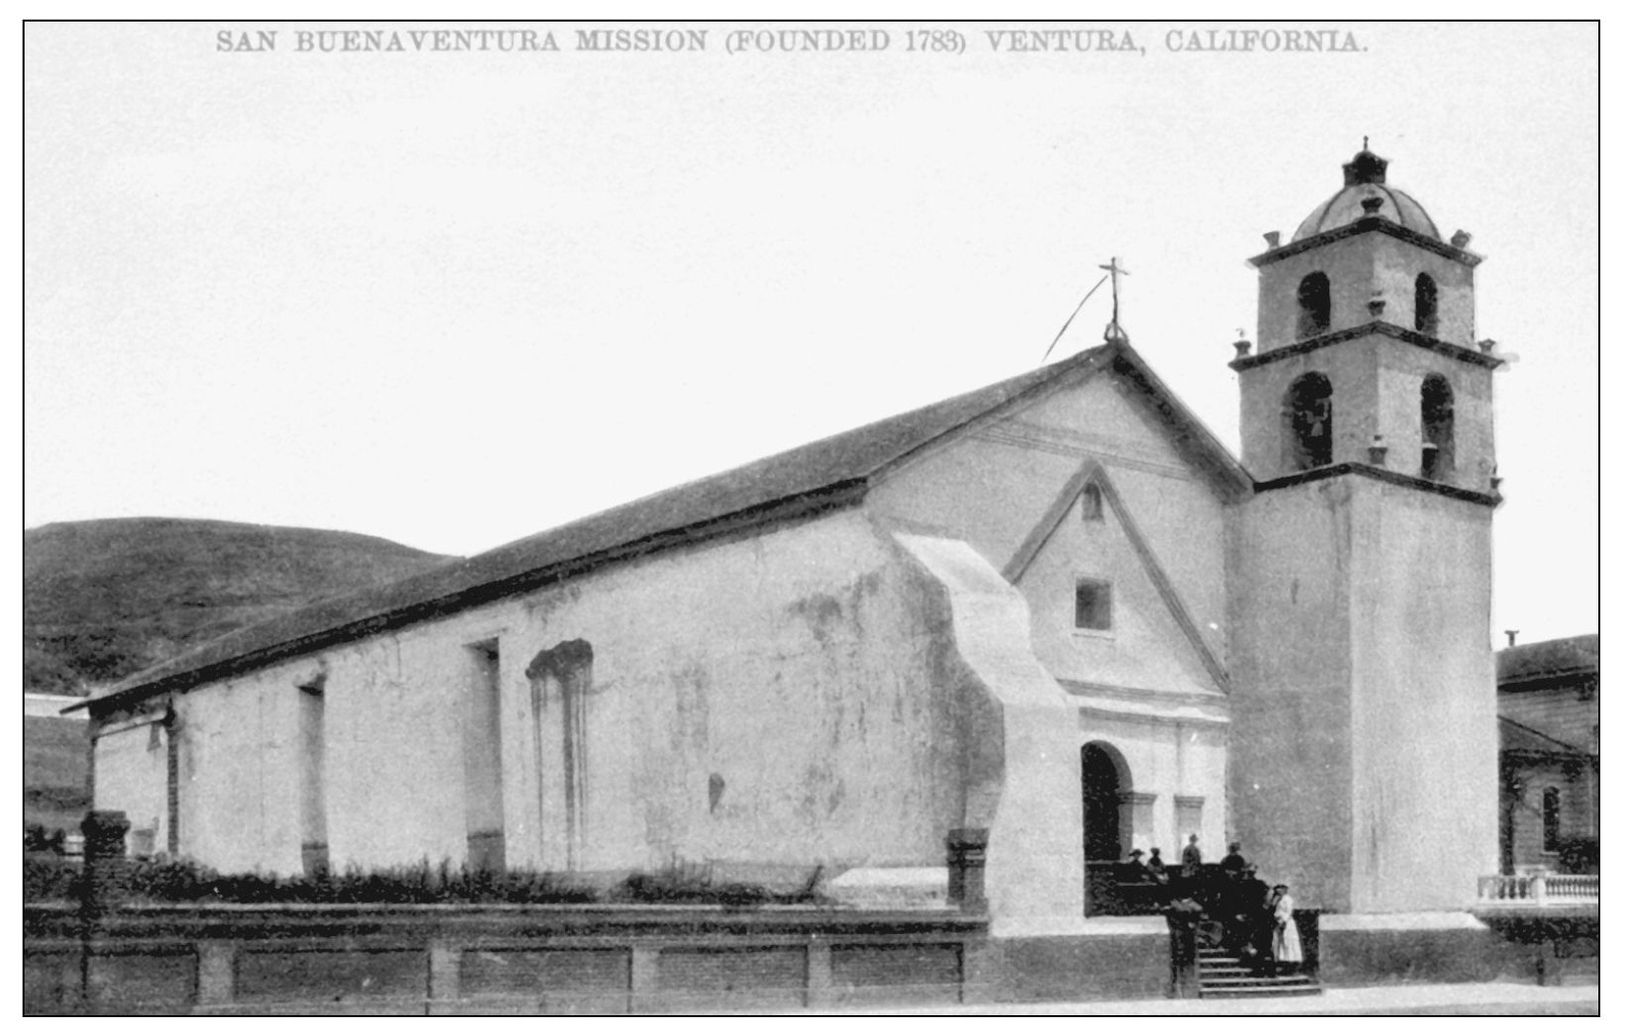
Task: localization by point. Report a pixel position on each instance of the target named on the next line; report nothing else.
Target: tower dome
(1365, 186)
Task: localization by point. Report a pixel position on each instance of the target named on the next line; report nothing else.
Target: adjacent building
(56, 763)
(1550, 755)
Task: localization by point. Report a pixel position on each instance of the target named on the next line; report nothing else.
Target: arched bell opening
(1436, 428)
(1312, 302)
(1309, 422)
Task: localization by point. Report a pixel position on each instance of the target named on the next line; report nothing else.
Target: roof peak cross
(1112, 333)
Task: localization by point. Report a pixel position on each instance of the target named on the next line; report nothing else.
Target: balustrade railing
(1571, 887)
(1539, 889)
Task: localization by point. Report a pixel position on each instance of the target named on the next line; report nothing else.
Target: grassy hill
(103, 599)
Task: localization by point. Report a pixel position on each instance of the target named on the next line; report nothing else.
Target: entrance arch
(1105, 781)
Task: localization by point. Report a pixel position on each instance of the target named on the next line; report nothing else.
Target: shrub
(680, 883)
(49, 879)
(36, 839)
(182, 881)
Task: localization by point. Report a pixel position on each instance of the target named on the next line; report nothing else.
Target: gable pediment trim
(1091, 471)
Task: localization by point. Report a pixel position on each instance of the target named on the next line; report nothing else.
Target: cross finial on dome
(1365, 141)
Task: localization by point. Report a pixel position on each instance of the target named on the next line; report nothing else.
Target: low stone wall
(180, 959)
(516, 959)
(1533, 946)
(1121, 959)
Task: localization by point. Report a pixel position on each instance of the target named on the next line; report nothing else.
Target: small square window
(1093, 609)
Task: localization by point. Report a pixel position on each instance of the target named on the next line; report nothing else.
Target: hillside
(105, 598)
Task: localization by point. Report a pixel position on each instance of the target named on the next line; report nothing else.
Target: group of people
(1157, 870)
(1258, 922)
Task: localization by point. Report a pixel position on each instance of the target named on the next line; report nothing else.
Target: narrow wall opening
(1425, 304)
(1312, 303)
(483, 758)
(313, 801)
(1436, 428)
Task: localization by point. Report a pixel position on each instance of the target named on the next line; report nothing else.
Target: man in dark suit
(1156, 866)
(1191, 860)
(1252, 915)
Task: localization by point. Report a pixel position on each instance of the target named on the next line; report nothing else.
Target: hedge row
(49, 878)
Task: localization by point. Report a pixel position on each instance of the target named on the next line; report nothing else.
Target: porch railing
(1539, 889)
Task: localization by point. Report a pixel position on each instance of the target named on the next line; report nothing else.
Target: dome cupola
(1366, 194)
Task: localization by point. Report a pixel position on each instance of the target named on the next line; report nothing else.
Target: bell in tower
(1366, 323)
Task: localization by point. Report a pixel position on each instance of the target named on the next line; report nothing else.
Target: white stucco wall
(796, 666)
(1144, 648)
(132, 776)
(1290, 768)
(1424, 706)
(801, 667)
(1020, 765)
(991, 486)
(1365, 756)
(239, 785)
(1141, 687)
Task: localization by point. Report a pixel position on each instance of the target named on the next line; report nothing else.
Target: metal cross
(1113, 332)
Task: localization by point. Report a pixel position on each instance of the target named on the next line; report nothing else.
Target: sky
(455, 298)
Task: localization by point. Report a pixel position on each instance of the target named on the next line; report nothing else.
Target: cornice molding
(1367, 224)
(1375, 328)
(1491, 499)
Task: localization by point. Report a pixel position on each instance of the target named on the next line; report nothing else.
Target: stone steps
(1224, 975)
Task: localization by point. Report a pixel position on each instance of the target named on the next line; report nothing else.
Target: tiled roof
(825, 474)
(1515, 736)
(1551, 658)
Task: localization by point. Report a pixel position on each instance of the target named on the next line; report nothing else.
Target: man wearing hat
(1192, 859)
(1156, 866)
(1139, 870)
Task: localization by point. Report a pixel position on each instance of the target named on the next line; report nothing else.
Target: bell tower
(1363, 769)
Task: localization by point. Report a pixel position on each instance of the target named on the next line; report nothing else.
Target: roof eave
(830, 498)
(1074, 369)
(1194, 438)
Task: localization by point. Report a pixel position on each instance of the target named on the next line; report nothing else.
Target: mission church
(1054, 615)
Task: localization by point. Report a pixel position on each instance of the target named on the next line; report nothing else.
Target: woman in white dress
(1286, 937)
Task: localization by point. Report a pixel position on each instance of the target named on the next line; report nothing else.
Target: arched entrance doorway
(1104, 782)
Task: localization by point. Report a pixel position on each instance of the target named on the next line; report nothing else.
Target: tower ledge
(1491, 499)
(1368, 224)
(1378, 327)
